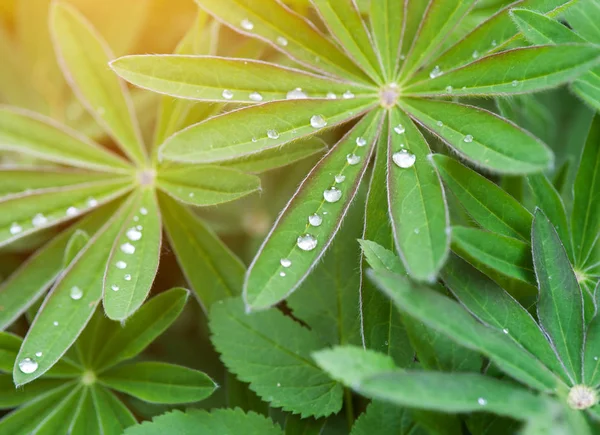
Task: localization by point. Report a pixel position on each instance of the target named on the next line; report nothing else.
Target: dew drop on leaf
(440, 124)
(114, 287)
(331, 96)
(127, 277)
(55, 323)
(468, 138)
(255, 96)
(272, 134)
(285, 262)
(28, 366)
(121, 265)
(515, 83)
(332, 195)
(296, 94)
(505, 331)
(482, 401)
(317, 121)
(72, 211)
(315, 220)
(475, 54)
(144, 211)
(404, 159)
(281, 41)
(92, 202)
(449, 89)
(340, 178)
(227, 94)
(281, 274)
(15, 228)
(39, 220)
(247, 24)
(128, 248)
(307, 242)
(76, 293)
(435, 72)
(399, 129)
(38, 354)
(352, 159)
(133, 234)
(348, 95)
(361, 141)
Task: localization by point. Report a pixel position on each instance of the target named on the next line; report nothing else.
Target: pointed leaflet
(206, 185)
(345, 24)
(386, 29)
(61, 318)
(591, 354)
(113, 416)
(491, 207)
(286, 31)
(585, 220)
(133, 261)
(76, 243)
(272, 353)
(496, 308)
(209, 78)
(24, 214)
(513, 72)
(293, 237)
(248, 131)
(33, 134)
(209, 266)
(84, 417)
(11, 397)
(416, 201)
(560, 305)
(423, 304)
(59, 420)
(83, 57)
(482, 137)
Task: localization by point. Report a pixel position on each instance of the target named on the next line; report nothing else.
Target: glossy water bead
(306, 242)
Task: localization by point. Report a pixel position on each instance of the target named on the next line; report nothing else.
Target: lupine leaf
(591, 354)
(486, 203)
(83, 56)
(11, 397)
(272, 353)
(33, 134)
(268, 281)
(482, 137)
(209, 78)
(583, 16)
(76, 243)
(9, 348)
(60, 418)
(113, 416)
(560, 305)
(134, 257)
(84, 417)
(212, 270)
(416, 201)
(206, 185)
(413, 14)
(156, 382)
(61, 318)
(386, 28)
(200, 422)
(540, 29)
(231, 135)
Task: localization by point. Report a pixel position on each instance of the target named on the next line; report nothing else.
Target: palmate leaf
(386, 28)
(591, 356)
(89, 420)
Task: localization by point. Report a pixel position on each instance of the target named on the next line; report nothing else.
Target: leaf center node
(388, 95)
(582, 397)
(88, 377)
(146, 177)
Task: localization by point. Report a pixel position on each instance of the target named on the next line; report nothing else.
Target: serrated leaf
(416, 201)
(206, 185)
(210, 78)
(540, 29)
(386, 29)
(272, 353)
(83, 57)
(384, 419)
(197, 422)
(38, 136)
(268, 281)
(210, 267)
(133, 260)
(76, 243)
(560, 304)
(482, 137)
(294, 425)
(61, 318)
(246, 131)
(156, 382)
(491, 207)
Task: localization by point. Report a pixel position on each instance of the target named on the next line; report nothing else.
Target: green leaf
(9, 348)
(488, 205)
(386, 28)
(112, 415)
(286, 31)
(416, 201)
(61, 318)
(482, 137)
(210, 267)
(209, 78)
(156, 382)
(540, 29)
(209, 185)
(560, 305)
(591, 354)
(120, 343)
(293, 237)
(60, 418)
(585, 220)
(583, 16)
(506, 255)
(458, 325)
(83, 57)
(76, 243)
(197, 422)
(294, 425)
(515, 71)
(38, 136)
(246, 131)
(272, 353)
(384, 418)
(380, 258)
(133, 260)
(11, 397)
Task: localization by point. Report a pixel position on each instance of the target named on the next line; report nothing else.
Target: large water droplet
(272, 134)
(15, 228)
(404, 159)
(255, 96)
(361, 141)
(227, 94)
(307, 242)
(332, 194)
(285, 262)
(449, 89)
(468, 138)
(128, 248)
(348, 95)
(121, 265)
(28, 366)
(55, 323)
(315, 220)
(72, 211)
(399, 129)
(331, 96)
(247, 24)
(339, 178)
(281, 41)
(144, 211)
(515, 83)
(482, 401)
(76, 293)
(296, 94)
(435, 72)
(133, 234)
(39, 220)
(352, 159)
(317, 121)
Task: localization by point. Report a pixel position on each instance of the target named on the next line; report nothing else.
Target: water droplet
(128, 248)
(278, 384)
(399, 129)
(417, 231)
(72, 211)
(352, 159)
(340, 178)
(361, 141)
(255, 96)
(595, 358)
(191, 195)
(281, 273)
(331, 96)
(247, 24)
(468, 138)
(505, 331)
(435, 72)
(494, 43)
(28, 366)
(440, 124)
(449, 89)
(140, 228)
(332, 194)
(38, 354)
(315, 220)
(114, 288)
(55, 323)
(127, 277)
(272, 134)
(121, 265)
(15, 228)
(144, 211)
(482, 401)
(348, 95)
(285, 262)
(227, 94)
(515, 83)
(254, 139)
(317, 121)
(282, 41)
(404, 159)
(136, 218)
(296, 94)
(307, 242)
(39, 220)
(92, 202)
(475, 54)
(133, 234)
(76, 293)
(402, 57)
